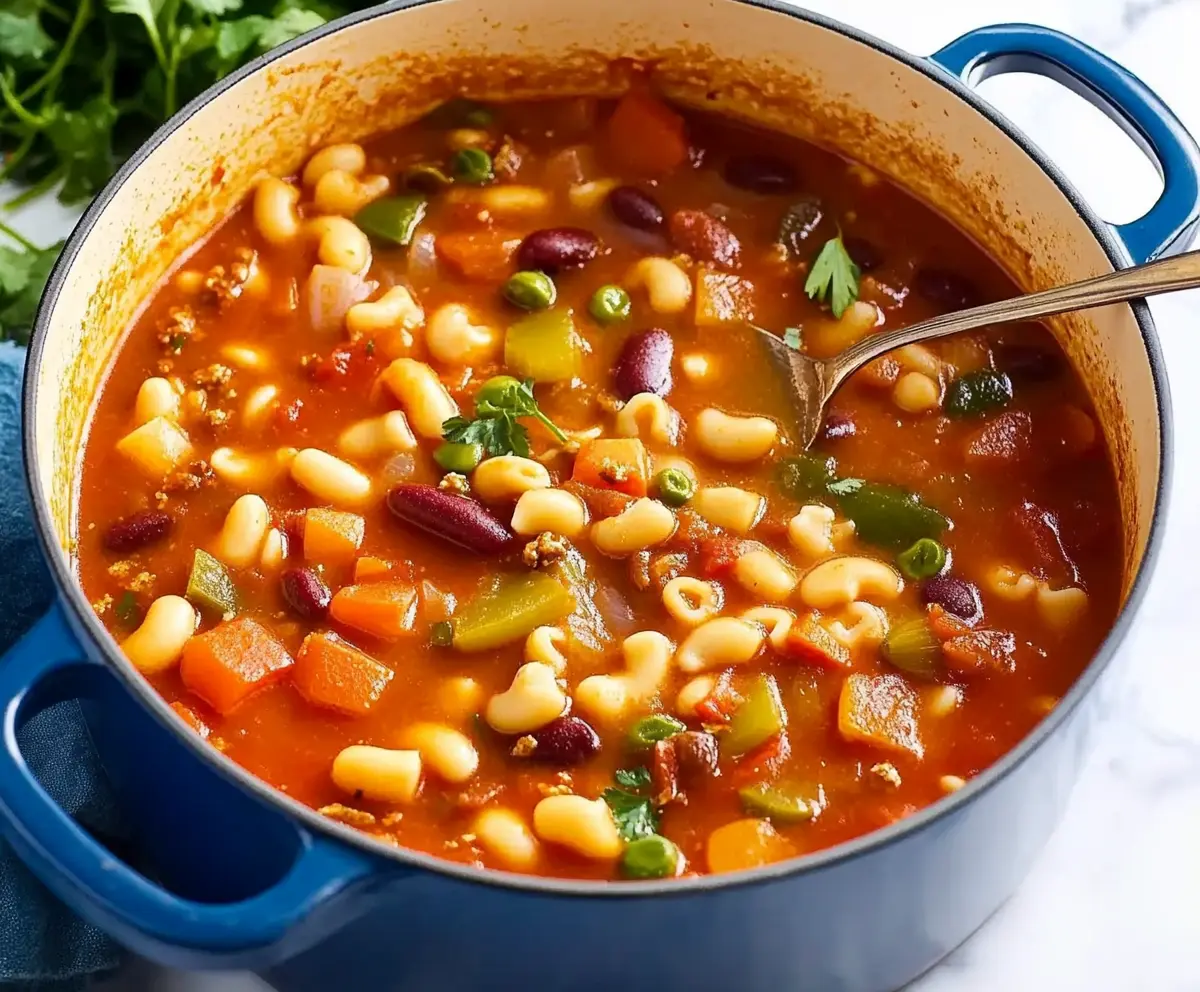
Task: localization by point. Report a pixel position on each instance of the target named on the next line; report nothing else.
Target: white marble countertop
(1114, 903)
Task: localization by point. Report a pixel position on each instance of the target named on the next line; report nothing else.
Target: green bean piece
(210, 586)
(530, 290)
(650, 857)
(759, 717)
(609, 304)
(472, 166)
(925, 559)
(675, 487)
(393, 218)
(455, 456)
(654, 728)
(912, 647)
(887, 515)
(783, 802)
(509, 609)
(441, 634)
(977, 393)
(426, 177)
(806, 477)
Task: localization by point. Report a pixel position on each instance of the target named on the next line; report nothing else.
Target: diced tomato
(980, 649)
(1038, 528)
(809, 641)
(483, 255)
(944, 624)
(1003, 441)
(346, 366)
(719, 704)
(718, 555)
(646, 135)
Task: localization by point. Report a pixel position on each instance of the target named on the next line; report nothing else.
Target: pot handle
(1171, 224)
(47, 666)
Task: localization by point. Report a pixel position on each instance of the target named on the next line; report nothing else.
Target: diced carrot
(485, 255)
(231, 661)
(619, 463)
(722, 298)
(945, 625)
(331, 672)
(718, 555)
(746, 843)
(880, 710)
(646, 135)
(332, 535)
(809, 641)
(368, 567)
(979, 649)
(382, 609)
(188, 716)
(719, 704)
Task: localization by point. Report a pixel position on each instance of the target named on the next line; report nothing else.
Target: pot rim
(71, 592)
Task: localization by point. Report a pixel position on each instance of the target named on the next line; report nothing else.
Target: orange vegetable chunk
(646, 135)
(332, 535)
(188, 716)
(747, 843)
(809, 641)
(484, 255)
(382, 609)
(1001, 442)
(368, 567)
(333, 673)
(230, 662)
(880, 710)
(618, 463)
(980, 650)
(722, 298)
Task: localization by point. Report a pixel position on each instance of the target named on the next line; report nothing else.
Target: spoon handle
(1163, 276)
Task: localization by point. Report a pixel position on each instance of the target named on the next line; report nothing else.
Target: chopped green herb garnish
(844, 487)
(500, 402)
(127, 611)
(631, 808)
(792, 338)
(833, 277)
(633, 778)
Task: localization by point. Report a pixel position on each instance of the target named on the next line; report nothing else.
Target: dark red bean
(838, 425)
(137, 530)
(862, 253)
(567, 740)
(644, 365)
(305, 593)
(453, 518)
(555, 248)
(636, 208)
(1028, 363)
(798, 223)
(705, 238)
(696, 752)
(955, 596)
(945, 289)
(760, 174)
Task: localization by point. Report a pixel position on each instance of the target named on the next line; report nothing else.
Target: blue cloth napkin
(43, 945)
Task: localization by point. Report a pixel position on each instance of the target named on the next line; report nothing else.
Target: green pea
(650, 857)
(441, 634)
(455, 456)
(530, 290)
(651, 729)
(500, 392)
(923, 560)
(675, 487)
(609, 304)
(472, 166)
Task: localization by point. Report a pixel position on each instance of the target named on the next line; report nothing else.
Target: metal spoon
(811, 382)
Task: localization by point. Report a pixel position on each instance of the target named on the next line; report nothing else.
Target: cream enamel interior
(772, 68)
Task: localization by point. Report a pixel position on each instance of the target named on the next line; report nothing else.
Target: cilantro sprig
(632, 809)
(82, 84)
(833, 277)
(499, 404)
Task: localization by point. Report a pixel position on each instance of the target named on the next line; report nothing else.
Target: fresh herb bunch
(83, 83)
(498, 405)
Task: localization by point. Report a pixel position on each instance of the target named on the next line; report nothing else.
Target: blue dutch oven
(237, 875)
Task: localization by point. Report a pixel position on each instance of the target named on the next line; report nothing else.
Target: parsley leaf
(792, 338)
(498, 404)
(22, 276)
(633, 778)
(844, 487)
(21, 36)
(633, 811)
(833, 277)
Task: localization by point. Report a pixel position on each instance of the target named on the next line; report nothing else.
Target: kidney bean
(945, 289)
(454, 518)
(554, 248)
(644, 365)
(636, 208)
(836, 425)
(567, 740)
(305, 593)
(705, 238)
(863, 253)
(1028, 363)
(955, 596)
(137, 530)
(760, 174)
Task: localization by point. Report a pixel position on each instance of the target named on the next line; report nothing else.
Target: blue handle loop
(1172, 222)
(48, 664)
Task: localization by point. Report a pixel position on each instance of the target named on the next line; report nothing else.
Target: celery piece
(543, 347)
(783, 802)
(758, 718)
(509, 610)
(912, 647)
(210, 586)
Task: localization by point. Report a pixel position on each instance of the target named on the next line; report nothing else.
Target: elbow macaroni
(763, 574)
(839, 581)
(647, 416)
(532, 701)
(720, 643)
(341, 243)
(643, 524)
(275, 214)
(508, 477)
(692, 601)
(668, 287)
(553, 510)
(545, 644)
(811, 531)
(734, 509)
(426, 401)
(729, 438)
(454, 340)
(647, 662)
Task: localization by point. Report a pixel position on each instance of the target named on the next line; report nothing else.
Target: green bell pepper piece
(393, 218)
(887, 515)
(210, 586)
(509, 610)
(543, 347)
(758, 718)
